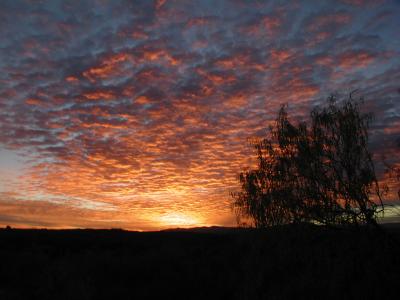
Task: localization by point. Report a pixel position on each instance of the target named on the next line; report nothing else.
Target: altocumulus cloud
(135, 114)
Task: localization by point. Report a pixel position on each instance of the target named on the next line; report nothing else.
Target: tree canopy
(319, 171)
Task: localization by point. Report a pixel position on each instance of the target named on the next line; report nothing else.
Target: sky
(136, 114)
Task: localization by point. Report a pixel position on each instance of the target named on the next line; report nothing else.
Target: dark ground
(279, 263)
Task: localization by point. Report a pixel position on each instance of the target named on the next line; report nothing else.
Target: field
(209, 263)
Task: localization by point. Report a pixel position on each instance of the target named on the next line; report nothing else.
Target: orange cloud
(111, 66)
(99, 95)
(71, 79)
(34, 101)
(356, 59)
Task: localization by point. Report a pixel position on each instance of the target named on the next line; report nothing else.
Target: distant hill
(222, 229)
(206, 229)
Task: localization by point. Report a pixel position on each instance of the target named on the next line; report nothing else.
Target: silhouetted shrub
(393, 172)
(321, 172)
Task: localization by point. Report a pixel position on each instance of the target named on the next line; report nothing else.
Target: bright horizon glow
(176, 219)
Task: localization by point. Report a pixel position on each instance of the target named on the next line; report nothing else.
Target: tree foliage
(317, 172)
(393, 170)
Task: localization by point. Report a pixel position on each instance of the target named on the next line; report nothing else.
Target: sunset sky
(135, 114)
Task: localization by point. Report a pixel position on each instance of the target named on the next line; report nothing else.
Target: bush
(320, 172)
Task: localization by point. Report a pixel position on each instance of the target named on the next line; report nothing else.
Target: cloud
(136, 113)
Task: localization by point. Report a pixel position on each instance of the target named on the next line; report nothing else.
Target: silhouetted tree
(319, 173)
(393, 171)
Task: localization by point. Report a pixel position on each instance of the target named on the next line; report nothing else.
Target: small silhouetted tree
(393, 171)
(320, 172)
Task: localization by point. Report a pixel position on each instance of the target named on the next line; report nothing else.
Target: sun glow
(179, 219)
